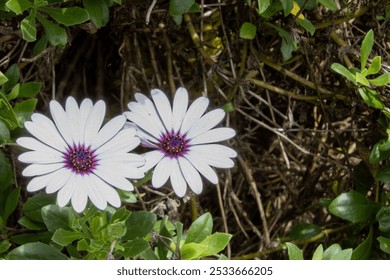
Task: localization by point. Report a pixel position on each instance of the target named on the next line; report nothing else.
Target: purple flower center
(80, 159)
(174, 145)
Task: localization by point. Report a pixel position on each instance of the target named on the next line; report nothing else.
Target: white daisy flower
(183, 139)
(77, 158)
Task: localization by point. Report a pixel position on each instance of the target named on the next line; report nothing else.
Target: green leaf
(11, 203)
(192, 251)
(263, 5)
(371, 98)
(304, 231)
(384, 244)
(32, 207)
(56, 35)
(365, 48)
(294, 253)
(215, 243)
(64, 237)
(307, 25)
(6, 172)
(200, 229)
(31, 225)
(353, 207)
(98, 11)
(363, 250)
(13, 75)
(382, 80)
(180, 7)
(29, 30)
(3, 78)
(288, 43)
(343, 71)
(135, 247)
(287, 7)
(248, 31)
(14, 92)
(40, 45)
(24, 110)
(56, 217)
(30, 89)
(7, 114)
(383, 218)
(331, 251)
(140, 224)
(375, 66)
(18, 6)
(377, 154)
(383, 174)
(43, 236)
(361, 79)
(318, 253)
(330, 4)
(67, 16)
(342, 255)
(4, 246)
(35, 251)
(4, 133)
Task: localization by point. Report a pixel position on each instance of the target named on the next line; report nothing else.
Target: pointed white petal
(195, 111)
(123, 142)
(61, 120)
(73, 114)
(215, 155)
(40, 169)
(58, 180)
(44, 130)
(80, 194)
(107, 191)
(85, 108)
(213, 135)
(177, 180)
(191, 175)
(143, 135)
(124, 159)
(161, 172)
(65, 193)
(145, 123)
(38, 183)
(33, 144)
(202, 167)
(94, 122)
(109, 130)
(163, 106)
(151, 159)
(114, 178)
(206, 122)
(41, 157)
(180, 104)
(95, 194)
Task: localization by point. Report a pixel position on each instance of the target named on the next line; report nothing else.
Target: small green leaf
(30, 89)
(200, 229)
(56, 35)
(64, 237)
(11, 203)
(248, 31)
(307, 25)
(263, 5)
(18, 6)
(32, 207)
(192, 251)
(318, 253)
(383, 218)
(140, 224)
(361, 79)
(14, 92)
(304, 231)
(215, 243)
(363, 250)
(135, 247)
(98, 11)
(384, 244)
(288, 43)
(365, 48)
(40, 45)
(35, 251)
(377, 154)
(331, 251)
(342, 255)
(375, 66)
(6, 172)
(330, 4)
(67, 16)
(29, 31)
(13, 75)
(382, 80)
(180, 7)
(294, 253)
(3, 78)
(4, 133)
(4, 246)
(371, 98)
(43, 236)
(353, 207)
(287, 7)
(383, 174)
(24, 110)
(31, 225)
(343, 71)
(56, 217)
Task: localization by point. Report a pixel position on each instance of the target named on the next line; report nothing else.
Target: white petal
(143, 135)
(41, 157)
(33, 144)
(145, 123)
(206, 122)
(85, 108)
(161, 172)
(202, 167)
(38, 183)
(191, 175)
(65, 193)
(177, 180)
(40, 169)
(44, 130)
(61, 120)
(151, 159)
(108, 131)
(123, 142)
(215, 155)
(180, 104)
(195, 111)
(95, 193)
(115, 179)
(214, 135)
(73, 114)
(80, 194)
(94, 122)
(163, 106)
(58, 180)
(107, 191)
(124, 159)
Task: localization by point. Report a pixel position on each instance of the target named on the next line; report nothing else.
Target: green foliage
(333, 252)
(179, 7)
(248, 31)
